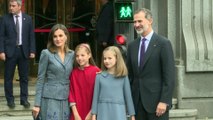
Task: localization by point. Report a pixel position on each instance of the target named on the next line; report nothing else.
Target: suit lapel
(23, 22)
(136, 48)
(11, 20)
(151, 47)
(135, 51)
(67, 59)
(58, 58)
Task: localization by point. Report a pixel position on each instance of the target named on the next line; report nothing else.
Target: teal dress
(112, 98)
(52, 88)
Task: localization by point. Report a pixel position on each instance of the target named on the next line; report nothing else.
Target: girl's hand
(88, 117)
(75, 113)
(93, 117)
(77, 117)
(133, 117)
(35, 111)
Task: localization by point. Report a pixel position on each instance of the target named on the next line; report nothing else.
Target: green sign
(124, 11)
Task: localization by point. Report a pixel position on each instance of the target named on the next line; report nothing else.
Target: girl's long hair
(120, 66)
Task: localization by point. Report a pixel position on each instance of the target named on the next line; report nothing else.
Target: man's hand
(161, 109)
(2, 56)
(93, 20)
(32, 55)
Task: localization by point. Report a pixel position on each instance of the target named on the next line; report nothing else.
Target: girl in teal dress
(112, 98)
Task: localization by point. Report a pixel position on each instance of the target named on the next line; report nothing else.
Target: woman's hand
(35, 111)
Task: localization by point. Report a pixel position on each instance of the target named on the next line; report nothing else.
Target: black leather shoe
(26, 104)
(11, 104)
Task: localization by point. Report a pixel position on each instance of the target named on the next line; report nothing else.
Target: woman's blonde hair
(88, 50)
(120, 66)
(50, 45)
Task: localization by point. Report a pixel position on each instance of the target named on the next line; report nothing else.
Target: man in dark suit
(105, 27)
(151, 70)
(17, 45)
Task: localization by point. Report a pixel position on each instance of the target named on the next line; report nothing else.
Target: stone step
(183, 114)
(29, 117)
(19, 110)
(16, 114)
(16, 118)
(16, 93)
(17, 98)
(4, 106)
(206, 118)
(174, 103)
(178, 114)
(16, 90)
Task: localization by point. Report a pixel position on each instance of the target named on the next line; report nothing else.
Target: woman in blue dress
(52, 88)
(112, 98)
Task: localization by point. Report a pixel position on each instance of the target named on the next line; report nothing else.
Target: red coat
(81, 89)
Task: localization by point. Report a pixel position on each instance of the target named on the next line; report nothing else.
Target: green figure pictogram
(125, 11)
(122, 12)
(128, 12)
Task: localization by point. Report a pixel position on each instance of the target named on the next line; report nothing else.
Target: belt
(18, 46)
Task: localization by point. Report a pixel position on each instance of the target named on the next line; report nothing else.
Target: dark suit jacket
(8, 35)
(105, 24)
(0, 19)
(154, 83)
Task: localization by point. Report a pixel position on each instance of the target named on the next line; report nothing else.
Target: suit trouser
(23, 66)
(142, 114)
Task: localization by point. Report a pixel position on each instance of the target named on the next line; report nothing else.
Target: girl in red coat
(82, 80)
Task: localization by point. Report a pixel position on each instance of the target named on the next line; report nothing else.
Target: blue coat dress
(112, 98)
(52, 88)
